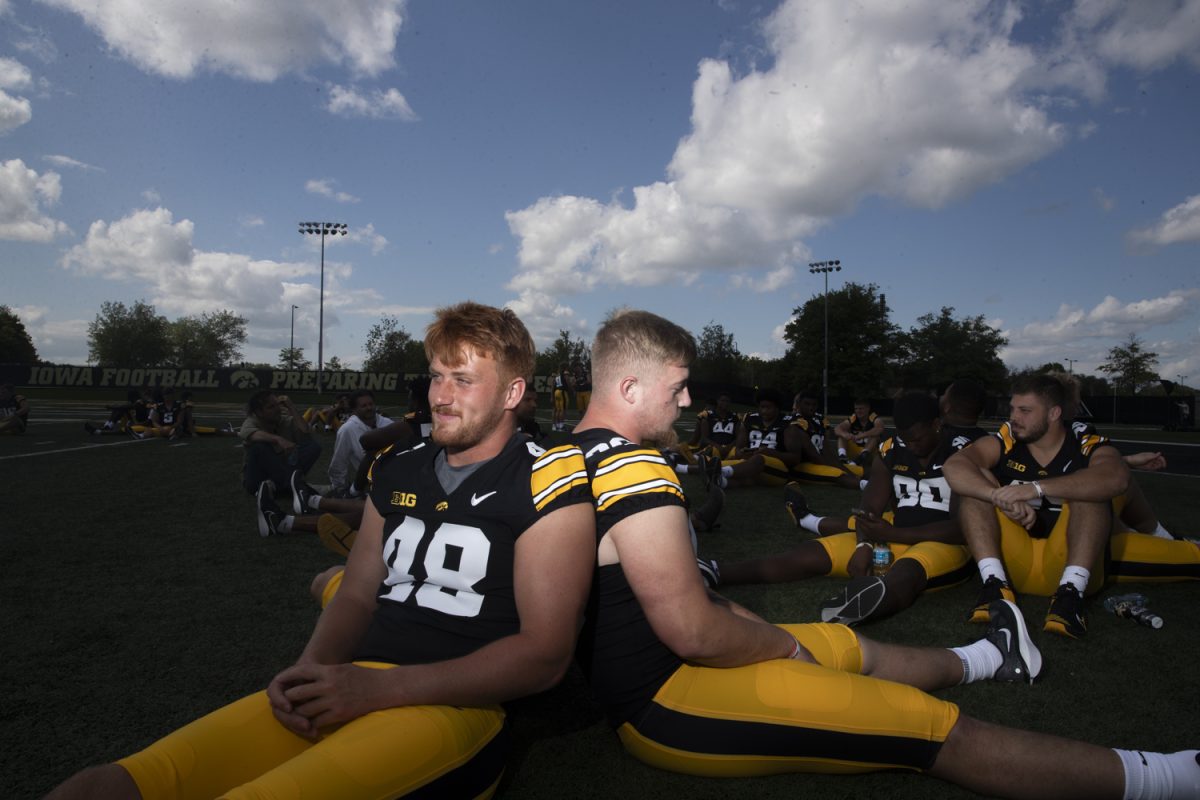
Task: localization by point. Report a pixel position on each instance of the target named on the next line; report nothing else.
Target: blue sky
(1036, 164)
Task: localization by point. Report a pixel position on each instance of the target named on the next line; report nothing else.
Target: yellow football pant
(1035, 566)
(789, 716)
(241, 751)
(944, 564)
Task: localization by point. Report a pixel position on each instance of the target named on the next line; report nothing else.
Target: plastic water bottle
(881, 559)
(1133, 606)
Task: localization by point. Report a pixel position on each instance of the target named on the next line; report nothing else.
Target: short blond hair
(633, 341)
(497, 333)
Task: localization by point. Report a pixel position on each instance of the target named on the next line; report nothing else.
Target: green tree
(293, 358)
(718, 359)
(861, 341)
(564, 350)
(134, 336)
(1131, 365)
(214, 339)
(16, 346)
(940, 349)
(391, 348)
(334, 364)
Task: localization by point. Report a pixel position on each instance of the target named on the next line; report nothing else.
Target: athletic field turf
(138, 595)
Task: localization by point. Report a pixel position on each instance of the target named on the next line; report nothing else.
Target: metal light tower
(292, 348)
(825, 267)
(1071, 365)
(322, 229)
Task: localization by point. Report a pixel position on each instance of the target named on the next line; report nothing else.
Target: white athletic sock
(286, 525)
(862, 485)
(1161, 532)
(980, 660)
(812, 523)
(1157, 776)
(1077, 576)
(681, 469)
(991, 568)
(314, 502)
(726, 472)
(841, 452)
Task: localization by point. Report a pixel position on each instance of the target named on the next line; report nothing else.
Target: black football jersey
(618, 650)
(1017, 465)
(167, 413)
(721, 428)
(922, 493)
(449, 556)
(814, 426)
(763, 435)
(859, 426)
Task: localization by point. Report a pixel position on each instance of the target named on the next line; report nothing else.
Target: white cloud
(366, 235)
(775, 279)
(348, 101)
(251, 221)
(324, 187)
(156, 253)
(1092, 332)
(1145, 35)
(62, 341)
(1179, 224)
(1103, 200)
(1097, 35)
(14, 112)
(14, 75)
(545, 316)
(68, 162)
(257, 41)
(925, 102)
(23, 196)
(151, 196)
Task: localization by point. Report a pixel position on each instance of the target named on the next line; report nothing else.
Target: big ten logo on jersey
(404, 499)
(1015, 465)
(763, 440)
(960, 442)
(603, 447)
(455, 560)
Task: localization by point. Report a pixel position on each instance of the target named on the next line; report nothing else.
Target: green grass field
(138, 595)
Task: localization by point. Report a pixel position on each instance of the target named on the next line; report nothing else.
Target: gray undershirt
(452, 477)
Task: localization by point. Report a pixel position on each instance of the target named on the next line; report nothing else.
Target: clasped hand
(1013, 502)
(307, 697)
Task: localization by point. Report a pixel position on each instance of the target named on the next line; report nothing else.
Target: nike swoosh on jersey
(476, 500)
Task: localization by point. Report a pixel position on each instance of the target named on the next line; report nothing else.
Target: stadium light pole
(1071, 365)
(322, 229)
(292, 348)
(825, 267)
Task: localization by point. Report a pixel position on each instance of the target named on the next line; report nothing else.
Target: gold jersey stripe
(1006, 436)
(555, 472)
(630, 473)
(606, 499)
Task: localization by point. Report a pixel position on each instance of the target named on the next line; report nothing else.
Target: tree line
(869, 355)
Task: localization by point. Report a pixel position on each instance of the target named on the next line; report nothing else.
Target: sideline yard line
(72, 449)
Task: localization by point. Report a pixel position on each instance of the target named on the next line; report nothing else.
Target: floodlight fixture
(322, 229)
(824, 268)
